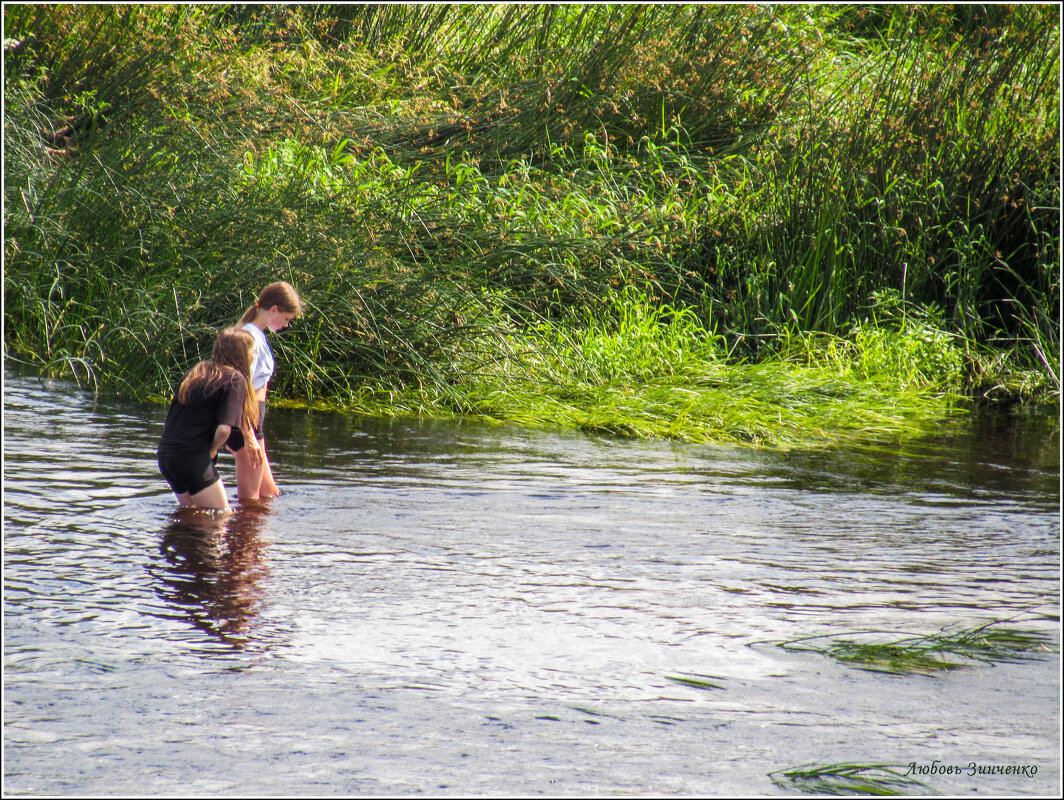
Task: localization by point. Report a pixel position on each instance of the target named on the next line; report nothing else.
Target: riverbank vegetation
(779, 224)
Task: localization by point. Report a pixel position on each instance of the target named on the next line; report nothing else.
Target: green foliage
(628, 214)
(636, 340)
(916, 355)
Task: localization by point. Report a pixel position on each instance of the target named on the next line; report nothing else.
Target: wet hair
(280, 294)
(232, 353)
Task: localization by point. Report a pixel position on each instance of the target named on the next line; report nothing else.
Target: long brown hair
(232, 351)
(280, 294)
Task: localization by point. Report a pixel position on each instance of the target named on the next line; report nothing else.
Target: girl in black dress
(214, 398)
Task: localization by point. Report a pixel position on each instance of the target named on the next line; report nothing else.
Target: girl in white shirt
(277, 306)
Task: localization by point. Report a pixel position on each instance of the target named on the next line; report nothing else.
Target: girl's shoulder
(231, 375)
(217, 377)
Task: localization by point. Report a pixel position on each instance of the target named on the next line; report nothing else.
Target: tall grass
(924, 172)
(597, 207)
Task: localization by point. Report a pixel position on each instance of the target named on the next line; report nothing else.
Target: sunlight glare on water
(448, 607)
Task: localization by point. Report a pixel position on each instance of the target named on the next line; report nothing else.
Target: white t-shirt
(262, 361)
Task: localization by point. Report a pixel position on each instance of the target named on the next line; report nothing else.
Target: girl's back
(207, 403)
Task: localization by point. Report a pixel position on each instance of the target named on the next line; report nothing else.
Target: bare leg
(184, 499)
(267, 487)
(213, 496)
(248, 477)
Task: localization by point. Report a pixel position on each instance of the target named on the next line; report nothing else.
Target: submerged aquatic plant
(873, 779)
(695, 681)
(931, 653)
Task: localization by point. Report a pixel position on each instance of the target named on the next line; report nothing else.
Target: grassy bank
(770, 225)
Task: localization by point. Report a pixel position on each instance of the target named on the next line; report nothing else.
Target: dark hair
(280, 294)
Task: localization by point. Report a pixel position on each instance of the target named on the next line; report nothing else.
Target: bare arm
(251, 443)
(221, 435)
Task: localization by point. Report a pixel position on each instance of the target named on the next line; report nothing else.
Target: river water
(454, 609)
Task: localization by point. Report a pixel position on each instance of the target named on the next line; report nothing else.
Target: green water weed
(849, 779)
(928, 654)
(695, 681)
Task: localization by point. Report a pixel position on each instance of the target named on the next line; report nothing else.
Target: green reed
(656, 371)
(579, 215)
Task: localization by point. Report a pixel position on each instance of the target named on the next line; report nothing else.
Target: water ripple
(433, 583)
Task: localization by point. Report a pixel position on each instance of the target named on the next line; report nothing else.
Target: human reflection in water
(214, 568)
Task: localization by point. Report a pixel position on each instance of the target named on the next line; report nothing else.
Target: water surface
(448, 608)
